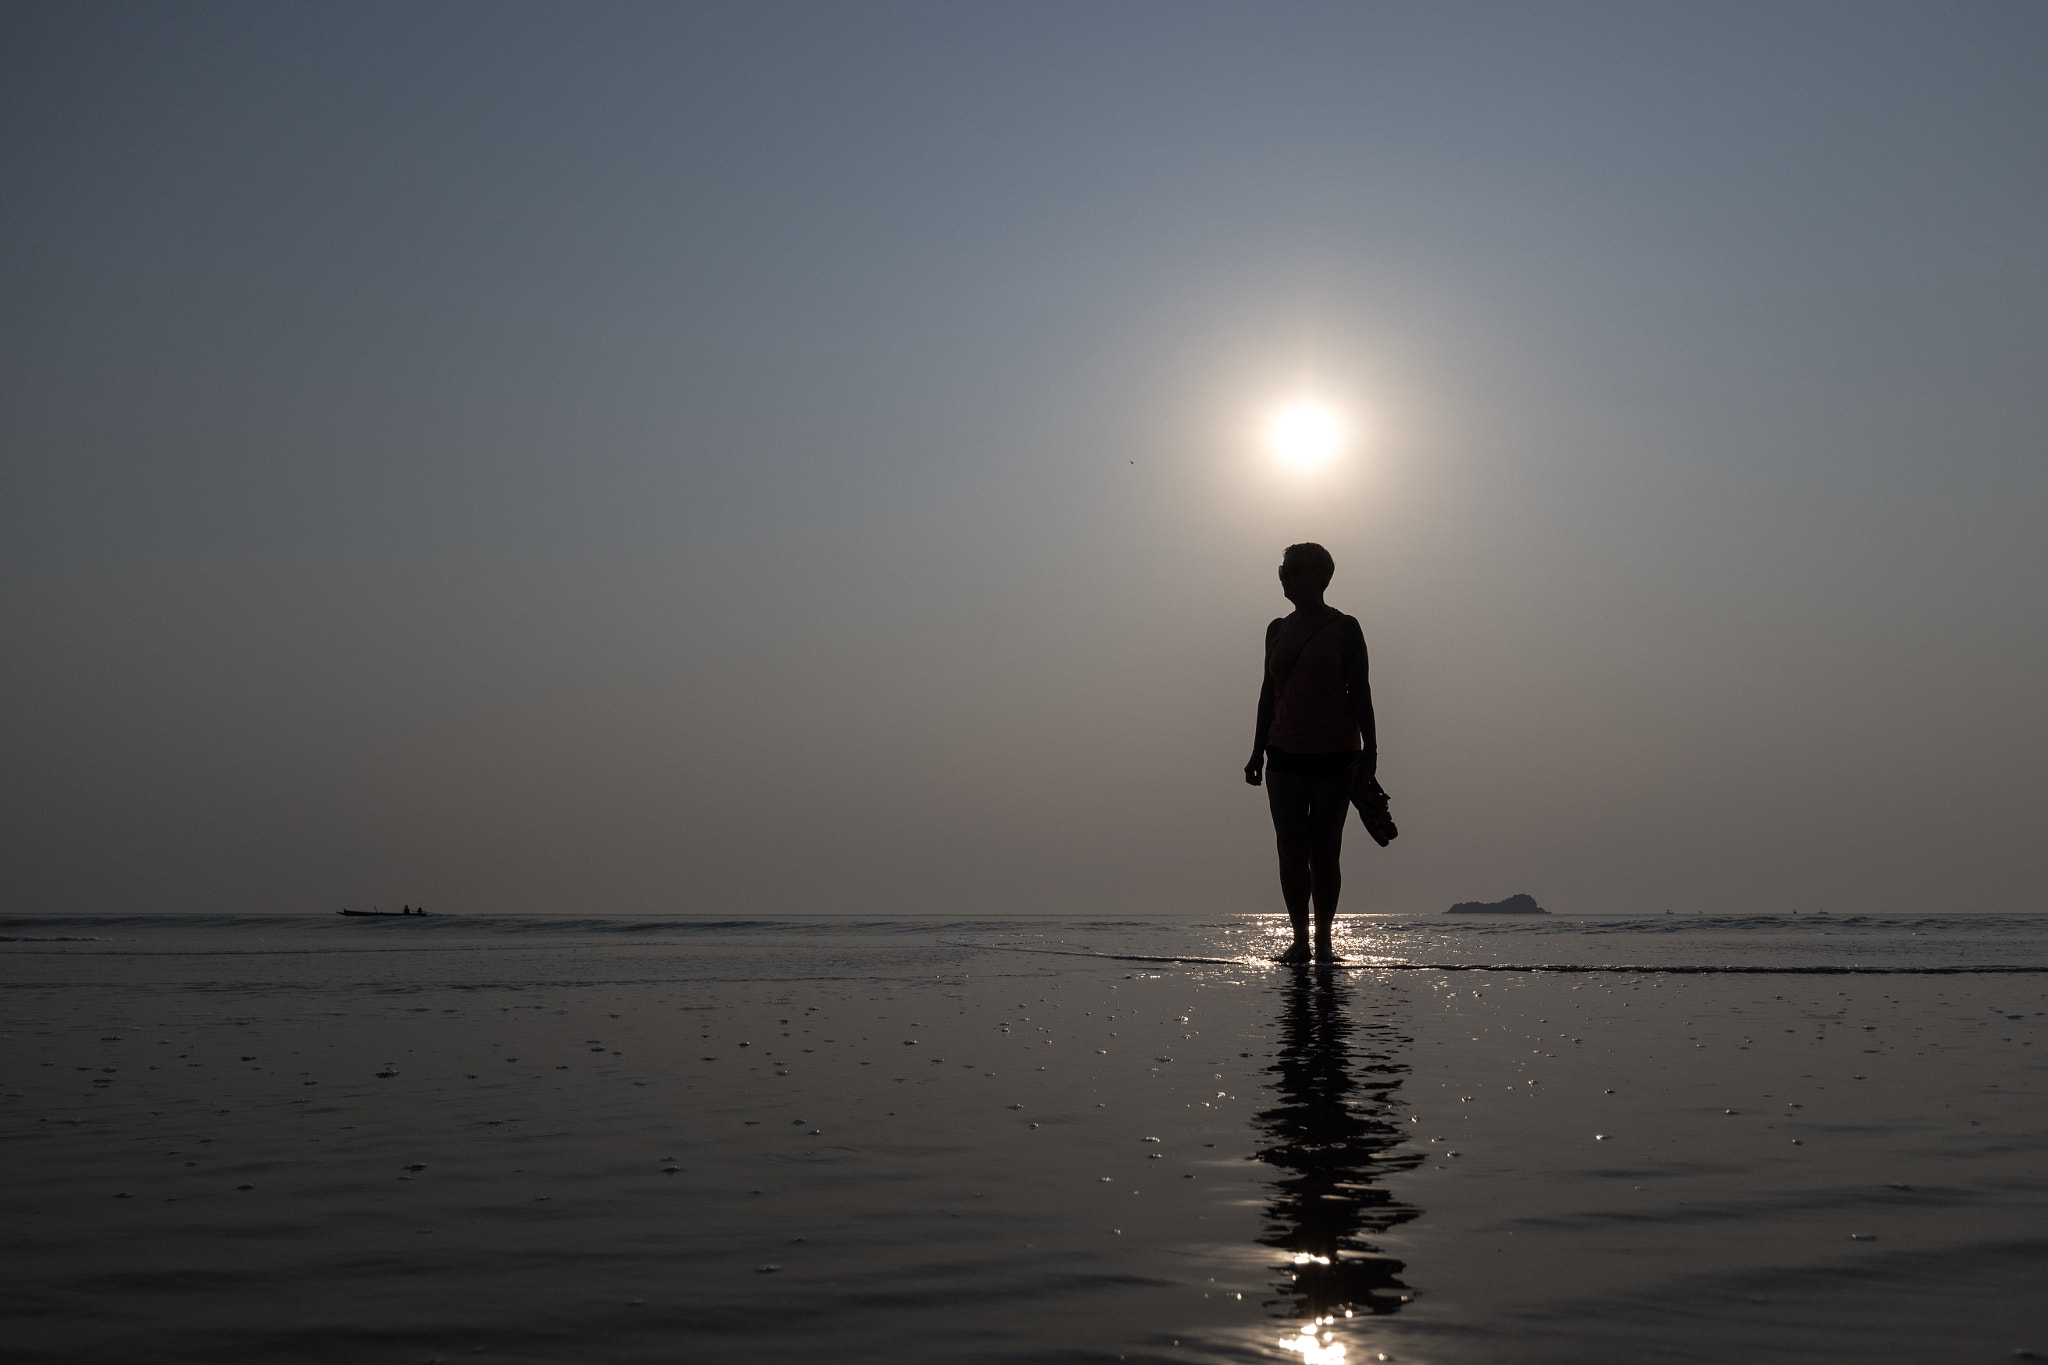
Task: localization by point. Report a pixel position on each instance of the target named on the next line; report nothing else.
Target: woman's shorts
(1315, 767)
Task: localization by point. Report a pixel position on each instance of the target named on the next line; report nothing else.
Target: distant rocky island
(1513, 905)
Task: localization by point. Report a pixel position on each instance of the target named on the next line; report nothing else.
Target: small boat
(383, 914)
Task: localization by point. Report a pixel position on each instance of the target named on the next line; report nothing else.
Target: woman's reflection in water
(1332, 1136)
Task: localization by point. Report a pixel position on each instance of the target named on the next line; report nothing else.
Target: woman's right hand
(1254, 771)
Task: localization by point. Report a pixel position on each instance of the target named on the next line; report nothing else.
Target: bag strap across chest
(1282, 674)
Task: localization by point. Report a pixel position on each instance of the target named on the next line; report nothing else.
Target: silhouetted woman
(1315, 738)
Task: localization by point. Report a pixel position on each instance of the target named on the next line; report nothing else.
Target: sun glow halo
(1305, 434)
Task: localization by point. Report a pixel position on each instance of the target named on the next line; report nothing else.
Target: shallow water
(836, 1139)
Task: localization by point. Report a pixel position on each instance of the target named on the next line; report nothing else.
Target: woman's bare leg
(1287, 796)
(1329, 802)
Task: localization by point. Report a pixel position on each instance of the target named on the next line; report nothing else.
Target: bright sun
(1305, 434)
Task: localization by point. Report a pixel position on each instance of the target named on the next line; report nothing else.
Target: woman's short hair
(1314, 558)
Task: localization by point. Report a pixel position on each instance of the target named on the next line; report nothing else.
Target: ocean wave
(1698, 969)
(1695, 924)
(1615, 968)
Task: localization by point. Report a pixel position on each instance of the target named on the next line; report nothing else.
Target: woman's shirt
(1314, 685)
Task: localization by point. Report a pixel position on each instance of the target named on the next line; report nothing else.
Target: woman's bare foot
(1326, 953)
(1298, 953)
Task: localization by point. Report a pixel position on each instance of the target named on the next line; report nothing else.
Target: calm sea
(587, 1138)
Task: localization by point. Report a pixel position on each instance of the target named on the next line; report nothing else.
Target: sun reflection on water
(1315, 1345)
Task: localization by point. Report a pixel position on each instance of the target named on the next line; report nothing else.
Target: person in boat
(1315, 739)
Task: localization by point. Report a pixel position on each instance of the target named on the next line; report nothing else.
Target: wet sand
(939, 1152)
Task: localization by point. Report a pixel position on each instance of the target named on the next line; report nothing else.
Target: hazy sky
(754, 457)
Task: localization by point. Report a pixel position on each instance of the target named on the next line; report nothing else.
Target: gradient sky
(802, 457)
